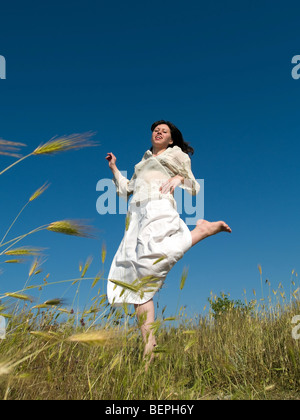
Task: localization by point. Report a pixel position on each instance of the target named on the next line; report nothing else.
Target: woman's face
(161, 137)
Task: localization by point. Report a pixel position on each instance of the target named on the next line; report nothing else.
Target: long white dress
(155, 236)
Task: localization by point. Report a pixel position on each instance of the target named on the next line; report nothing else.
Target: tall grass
(57, 352)
(239, 356)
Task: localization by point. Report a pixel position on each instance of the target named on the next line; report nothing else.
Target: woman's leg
(146, 316)
(204, 229)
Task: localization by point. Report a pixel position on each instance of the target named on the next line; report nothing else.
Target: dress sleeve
(123, 185)
(181, 165)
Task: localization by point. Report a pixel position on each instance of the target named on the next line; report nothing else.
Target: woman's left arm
(180, 164)
(171, 184)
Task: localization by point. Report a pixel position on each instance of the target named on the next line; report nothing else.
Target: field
(236, 356)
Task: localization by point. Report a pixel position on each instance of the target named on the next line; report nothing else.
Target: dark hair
(176, 137)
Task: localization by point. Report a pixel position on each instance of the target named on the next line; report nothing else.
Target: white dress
(155, 236)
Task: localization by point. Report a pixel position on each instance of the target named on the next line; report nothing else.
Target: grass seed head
(183, 278)
(54, 302)
(9, 148)
(5, 368)
(71, 227)
(101, 337)
(86, 266)
(23, 251)
(39, 192)
(103, 253)
(19, 296)
(65, 143)
(33, 267)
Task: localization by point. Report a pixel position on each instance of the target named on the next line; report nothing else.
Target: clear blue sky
(221, 71)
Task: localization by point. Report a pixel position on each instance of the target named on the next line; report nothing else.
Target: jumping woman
(155, 236)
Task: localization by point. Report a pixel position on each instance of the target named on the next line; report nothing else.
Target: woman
(155, 236)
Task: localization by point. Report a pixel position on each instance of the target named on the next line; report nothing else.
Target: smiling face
(161, 138)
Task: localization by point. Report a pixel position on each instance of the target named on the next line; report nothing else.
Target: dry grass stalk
(9, 148)
(103, 253)
(5, 368)
(49, 303)
(39, 192)
(16, 261)
(183, 278)
(23, 251)
(65, 143)
(48, 336)
(53, 146)
(33, 267)
(54, 302)
(100, 337)
(86, 266)
(71, 227)
(19, 296)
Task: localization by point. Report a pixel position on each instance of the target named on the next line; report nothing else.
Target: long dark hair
(176, 137)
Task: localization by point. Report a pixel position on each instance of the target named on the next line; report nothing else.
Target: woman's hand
(111, 158)
(170, 185)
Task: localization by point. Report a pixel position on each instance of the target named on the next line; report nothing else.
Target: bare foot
(204, 229)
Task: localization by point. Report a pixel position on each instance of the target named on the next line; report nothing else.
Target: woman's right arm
(111, 158)
(120, 181)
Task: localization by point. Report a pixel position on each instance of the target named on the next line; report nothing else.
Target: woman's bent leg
(204, 229)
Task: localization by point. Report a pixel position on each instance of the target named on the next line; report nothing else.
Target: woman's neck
(157, 152)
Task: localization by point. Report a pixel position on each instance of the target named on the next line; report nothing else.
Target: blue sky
(221, 72)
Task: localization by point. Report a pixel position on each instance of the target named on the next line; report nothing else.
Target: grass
(237, 351)
(239, 356)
